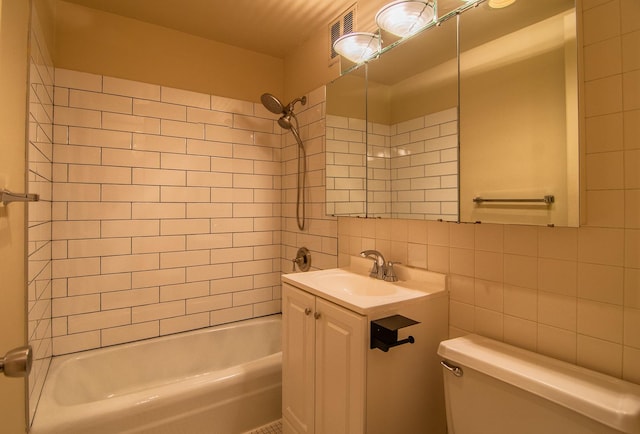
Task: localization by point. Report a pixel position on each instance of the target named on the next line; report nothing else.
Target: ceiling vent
(343, 24)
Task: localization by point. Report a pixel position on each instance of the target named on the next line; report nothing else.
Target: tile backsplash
(571, 293)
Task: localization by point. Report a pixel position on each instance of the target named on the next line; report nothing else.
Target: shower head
(285, 121)
(272, 103)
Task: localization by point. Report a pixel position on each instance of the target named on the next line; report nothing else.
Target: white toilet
(495, 388)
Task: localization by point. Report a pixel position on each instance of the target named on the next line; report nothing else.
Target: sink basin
(354, 284)
(354, 289)
(369, 292)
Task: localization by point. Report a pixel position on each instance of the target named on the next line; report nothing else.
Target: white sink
(353, 288)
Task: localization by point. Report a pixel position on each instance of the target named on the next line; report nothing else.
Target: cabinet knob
(316, 315)
(307, 311)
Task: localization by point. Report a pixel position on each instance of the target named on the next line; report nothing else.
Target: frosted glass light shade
(358, 46)
(499, 4)
(404, 18)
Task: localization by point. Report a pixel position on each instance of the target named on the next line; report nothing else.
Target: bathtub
(221, 380)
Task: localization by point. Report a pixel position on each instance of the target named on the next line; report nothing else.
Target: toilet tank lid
(611, 401)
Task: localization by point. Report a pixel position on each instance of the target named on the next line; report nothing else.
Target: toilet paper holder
(384, 332)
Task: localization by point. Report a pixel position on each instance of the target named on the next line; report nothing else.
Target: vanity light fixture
(404, 18)
(358, 46)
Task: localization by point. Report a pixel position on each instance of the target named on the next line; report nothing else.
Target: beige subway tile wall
(571, 293)
(411, 167)
(167, 211)
(424, 167)
(346, 165)
(379, 169)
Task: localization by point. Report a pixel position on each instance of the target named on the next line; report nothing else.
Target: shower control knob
(17, 362)
(302, 259)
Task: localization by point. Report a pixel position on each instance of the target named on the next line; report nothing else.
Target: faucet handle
(390, 275)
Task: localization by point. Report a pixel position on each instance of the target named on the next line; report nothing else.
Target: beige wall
(14, 26)
(308, 67)
(411, 100)
(103, 43)
(46, 18)
(348, 96)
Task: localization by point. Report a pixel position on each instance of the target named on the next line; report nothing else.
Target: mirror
(346, 146)
(408, 117)
(518, 114)
(412, 146)
(410, 95)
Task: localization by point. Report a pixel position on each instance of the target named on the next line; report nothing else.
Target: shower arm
(289, 108)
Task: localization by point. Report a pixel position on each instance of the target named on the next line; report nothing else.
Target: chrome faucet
(381, 269)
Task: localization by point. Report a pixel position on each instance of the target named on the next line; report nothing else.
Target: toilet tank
(502, 389)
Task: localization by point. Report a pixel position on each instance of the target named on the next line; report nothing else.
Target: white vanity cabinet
(324, 359)
(359, 355)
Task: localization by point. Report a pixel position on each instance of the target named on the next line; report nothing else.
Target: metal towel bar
(549, 199)
(7, 197)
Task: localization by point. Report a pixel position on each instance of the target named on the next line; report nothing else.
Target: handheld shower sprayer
(274, 105)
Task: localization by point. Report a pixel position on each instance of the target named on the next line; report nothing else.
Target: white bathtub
(222, 380)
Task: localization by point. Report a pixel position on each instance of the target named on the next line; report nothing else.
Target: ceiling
(273, 27)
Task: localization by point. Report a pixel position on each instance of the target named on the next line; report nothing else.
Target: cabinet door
(298, 359)
(340, 370)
